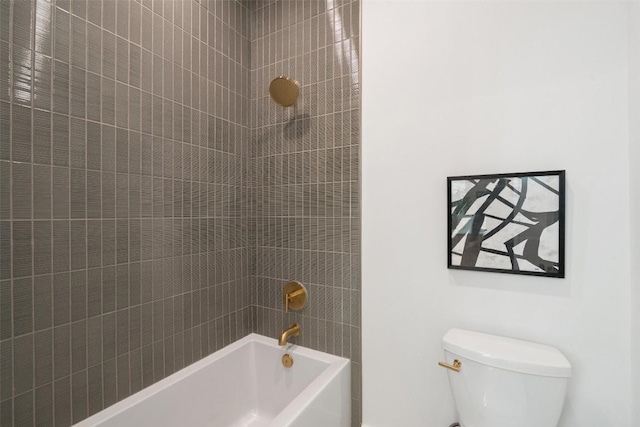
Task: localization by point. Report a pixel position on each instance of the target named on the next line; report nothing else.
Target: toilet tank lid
(507, 353)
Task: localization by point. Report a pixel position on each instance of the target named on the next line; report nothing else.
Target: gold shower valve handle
(290, 297)
(455, 367)
(295, 296)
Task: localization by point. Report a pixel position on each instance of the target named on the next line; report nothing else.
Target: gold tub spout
(292, 331)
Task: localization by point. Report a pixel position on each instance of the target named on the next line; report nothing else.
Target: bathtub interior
(218, 394)
(246, 386)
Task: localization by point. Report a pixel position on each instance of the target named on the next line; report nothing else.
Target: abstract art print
(507, 223)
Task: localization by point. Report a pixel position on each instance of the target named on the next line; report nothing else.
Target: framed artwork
(507, 223)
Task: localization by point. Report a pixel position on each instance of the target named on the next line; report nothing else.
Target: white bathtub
(242, 385)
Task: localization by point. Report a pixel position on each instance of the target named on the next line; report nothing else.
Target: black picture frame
(507, 223)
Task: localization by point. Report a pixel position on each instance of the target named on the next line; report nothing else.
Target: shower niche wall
(305, 173)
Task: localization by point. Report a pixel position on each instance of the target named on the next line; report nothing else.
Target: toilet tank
(504, 382)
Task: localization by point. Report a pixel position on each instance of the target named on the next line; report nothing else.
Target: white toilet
(504, 382)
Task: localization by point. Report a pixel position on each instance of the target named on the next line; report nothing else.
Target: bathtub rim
(335, 365)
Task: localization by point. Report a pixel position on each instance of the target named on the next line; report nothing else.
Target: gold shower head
(284, 91)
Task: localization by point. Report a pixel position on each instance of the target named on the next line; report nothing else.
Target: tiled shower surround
(125, 246)
(153, 200)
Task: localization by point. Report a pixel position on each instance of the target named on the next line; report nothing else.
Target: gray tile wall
(125, 247)
(305, 165)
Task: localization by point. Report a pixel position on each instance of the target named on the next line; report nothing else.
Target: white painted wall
(452, 88)
(634, 168)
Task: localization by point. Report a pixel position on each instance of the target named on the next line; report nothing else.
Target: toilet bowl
(504, 382)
